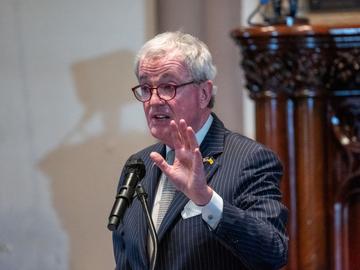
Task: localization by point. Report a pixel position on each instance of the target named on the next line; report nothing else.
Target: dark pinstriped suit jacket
(251, 232)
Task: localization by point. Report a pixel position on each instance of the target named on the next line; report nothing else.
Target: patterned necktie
(167, 193)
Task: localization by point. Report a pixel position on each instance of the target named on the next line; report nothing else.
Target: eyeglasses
(164, 91)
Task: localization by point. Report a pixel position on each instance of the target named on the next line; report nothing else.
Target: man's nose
(154, 98)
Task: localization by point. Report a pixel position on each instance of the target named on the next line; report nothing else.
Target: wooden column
(274, 116)
(310, 175)
(305, 81)
(344, 178)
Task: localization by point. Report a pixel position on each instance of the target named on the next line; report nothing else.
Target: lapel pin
(209, 160)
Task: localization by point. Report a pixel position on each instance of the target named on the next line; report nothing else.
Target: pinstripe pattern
(251, 233)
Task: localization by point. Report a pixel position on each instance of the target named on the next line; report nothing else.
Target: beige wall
(212, 21)
(68, 122)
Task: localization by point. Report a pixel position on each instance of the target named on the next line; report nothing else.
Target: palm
(186, 170)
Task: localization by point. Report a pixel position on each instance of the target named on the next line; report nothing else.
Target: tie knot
(170, 156)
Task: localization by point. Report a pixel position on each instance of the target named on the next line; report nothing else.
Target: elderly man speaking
(214, 194)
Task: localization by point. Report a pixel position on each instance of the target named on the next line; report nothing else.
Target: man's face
(185, 105)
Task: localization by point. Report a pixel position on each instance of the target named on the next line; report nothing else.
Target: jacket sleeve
(253, 223)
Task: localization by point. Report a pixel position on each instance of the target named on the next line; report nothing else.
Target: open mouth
(161, 117)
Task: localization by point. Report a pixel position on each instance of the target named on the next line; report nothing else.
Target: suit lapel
(213, 143)
(211, 147)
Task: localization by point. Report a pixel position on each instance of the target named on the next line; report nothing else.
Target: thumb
(160, 162)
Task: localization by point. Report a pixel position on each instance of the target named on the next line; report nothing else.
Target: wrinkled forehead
(162, 66)
(164, 55)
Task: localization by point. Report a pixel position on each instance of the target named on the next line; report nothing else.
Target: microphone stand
(142, 196)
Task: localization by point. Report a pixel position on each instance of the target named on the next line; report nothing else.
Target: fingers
(198, 156)
(175, 135)
(193, 144)
(160, 162)
(183, 136)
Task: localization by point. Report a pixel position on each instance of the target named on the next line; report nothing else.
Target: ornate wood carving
(344, 72)
(305, 81)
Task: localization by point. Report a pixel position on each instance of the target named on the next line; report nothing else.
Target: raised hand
(187, 172)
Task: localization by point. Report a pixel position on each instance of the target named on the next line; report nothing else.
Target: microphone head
(136, 165)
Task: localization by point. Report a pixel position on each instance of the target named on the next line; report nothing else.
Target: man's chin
(160, 134)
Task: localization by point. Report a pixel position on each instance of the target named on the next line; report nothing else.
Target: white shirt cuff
(212, 212)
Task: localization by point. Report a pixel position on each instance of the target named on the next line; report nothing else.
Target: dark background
(326, 5)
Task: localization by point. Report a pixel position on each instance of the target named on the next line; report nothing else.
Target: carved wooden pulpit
(305, 81)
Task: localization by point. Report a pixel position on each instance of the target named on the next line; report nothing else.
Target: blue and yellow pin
(209, 160)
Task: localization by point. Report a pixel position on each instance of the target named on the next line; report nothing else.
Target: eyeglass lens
(164, 91)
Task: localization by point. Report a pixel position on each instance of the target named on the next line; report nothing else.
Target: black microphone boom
(135, 171)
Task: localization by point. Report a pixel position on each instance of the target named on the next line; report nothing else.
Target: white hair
(188, 48)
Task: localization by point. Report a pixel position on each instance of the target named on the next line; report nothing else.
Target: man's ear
(205, 93)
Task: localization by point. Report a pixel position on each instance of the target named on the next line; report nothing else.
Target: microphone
(135, 171)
